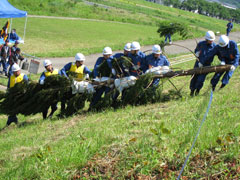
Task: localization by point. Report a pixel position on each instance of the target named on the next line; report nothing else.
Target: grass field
(130, 21)
(143, 141)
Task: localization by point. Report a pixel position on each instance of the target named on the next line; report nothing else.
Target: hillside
(132, 19)
(149, 141)
(142, 142)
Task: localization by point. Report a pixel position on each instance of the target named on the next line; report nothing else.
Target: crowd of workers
(226, 50)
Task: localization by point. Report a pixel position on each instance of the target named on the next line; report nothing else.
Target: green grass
(64, 38)
(128, 141)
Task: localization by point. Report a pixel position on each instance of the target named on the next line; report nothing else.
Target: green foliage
(172, 28)
(142, 92)
(32, 98)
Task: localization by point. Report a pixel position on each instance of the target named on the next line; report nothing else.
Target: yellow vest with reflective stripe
(48, 73)
(79, 70)
(14, 80)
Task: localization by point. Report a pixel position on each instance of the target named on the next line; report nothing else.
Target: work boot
(222, 86)
(197, 92)
(192, 93)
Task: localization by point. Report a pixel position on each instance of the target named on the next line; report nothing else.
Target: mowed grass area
(58, 38)
(129, 21)
(131, 142)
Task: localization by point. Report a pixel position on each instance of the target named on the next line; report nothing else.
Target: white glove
(113, 71)
(87, 76)
(41, 82)
(222, 63)
(197, 53)
(200, 64)
(232, 68)
(136, 67)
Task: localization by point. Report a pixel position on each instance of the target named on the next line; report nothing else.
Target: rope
(204, 118)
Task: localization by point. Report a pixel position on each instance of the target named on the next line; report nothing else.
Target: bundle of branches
(121, 63)
(167, 27)
(2, 95)
(31, 98)
(104, 70)
(142, 92)
(76, 103)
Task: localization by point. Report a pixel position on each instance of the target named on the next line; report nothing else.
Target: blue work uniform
(137, 59)
(13, 36)
(41, 80)
(151, 62)
(68, 66)
(104, 89)
(230, 55)
(11, 83)
(229, 27)
(206, 56)
(168, 37)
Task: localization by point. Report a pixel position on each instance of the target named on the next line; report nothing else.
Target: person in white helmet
(205, 53)
(228, 53)
(138, 59)
(126, 51)
(102, 68)
(156, 59)
(16, 77)
(77, 67)
(49, 71)
(82, 72)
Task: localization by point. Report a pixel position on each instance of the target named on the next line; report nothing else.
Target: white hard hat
(156, 49)
(46, 62)
(210, 36)
(15, 67)
(107, 51)
(79, 57)
(127, 47)
(223, 41)
(135, 46)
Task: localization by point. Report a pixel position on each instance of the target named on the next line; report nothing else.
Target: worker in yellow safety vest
(77, 67)
(49, 71)
(81, 71)
(15, 77)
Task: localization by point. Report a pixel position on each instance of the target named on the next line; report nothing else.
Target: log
(197, 71)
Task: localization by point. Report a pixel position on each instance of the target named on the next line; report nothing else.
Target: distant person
(168, 37)
(15, 56)
(14, 47)
(5, 54)
(229, 27)
(228, 53)
(205, 53)
(13, 35)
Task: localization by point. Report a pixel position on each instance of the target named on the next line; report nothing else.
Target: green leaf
(154, 131)
(166, 131)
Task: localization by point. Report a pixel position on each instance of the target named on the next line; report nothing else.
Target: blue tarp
(8, 11)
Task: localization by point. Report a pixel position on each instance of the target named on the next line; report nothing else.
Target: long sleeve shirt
(67, 67)
(206, 52)
(99, 61)
(155, 62)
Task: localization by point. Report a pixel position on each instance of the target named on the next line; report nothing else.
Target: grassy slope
(128, 141)
(52, 37)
